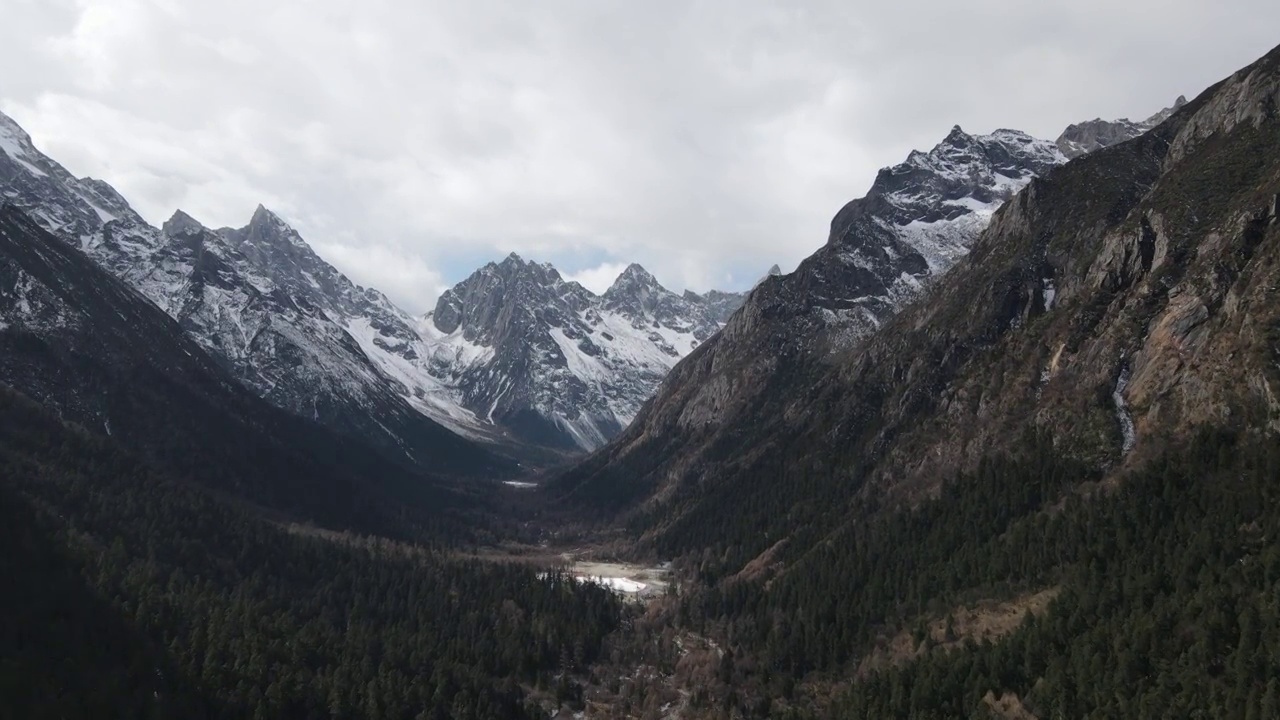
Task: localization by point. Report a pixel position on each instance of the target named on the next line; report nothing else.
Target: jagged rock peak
(636, 270)
(1084, 137)
(16, 144)
(957, 137)
(774, 271)
(10, 128)
(1006, 152)
(262, 216)
(103, 189)
(937, 201)
(632, 280)
(515, 268)
(181, 224)
(269, 224)
(476, 302)
(1164, 114)
(638, 293)
(513, 263)
(266, 230)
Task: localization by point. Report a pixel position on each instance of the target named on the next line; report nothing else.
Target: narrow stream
(1122, 411)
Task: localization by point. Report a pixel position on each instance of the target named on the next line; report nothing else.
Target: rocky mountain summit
(1091, 135)
(918, 218)
(554, 362)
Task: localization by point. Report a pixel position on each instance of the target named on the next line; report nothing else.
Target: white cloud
(599, 278)
(398, 275)
(708, 140)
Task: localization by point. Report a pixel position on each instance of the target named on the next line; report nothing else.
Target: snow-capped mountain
(555, 363)
(918, 219)
(256, 298)
(88, 213)
(513, 355)
(506, 356)
(1091, 135)
(90, 348)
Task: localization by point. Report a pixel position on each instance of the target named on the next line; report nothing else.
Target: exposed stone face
(1249, 98)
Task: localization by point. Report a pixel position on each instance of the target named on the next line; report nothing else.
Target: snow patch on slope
(943, 242)
(585, 367)
(424, 392)
(17, 145)
(959, 185)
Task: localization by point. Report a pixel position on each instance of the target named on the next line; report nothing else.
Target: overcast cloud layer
(410, 142)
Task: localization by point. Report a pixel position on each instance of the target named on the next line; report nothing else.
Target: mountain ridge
(576, 366)
(1083, 407)
(302, 335)
(883, 249)
(93, 349)
(1084, 309)
(1084, 137)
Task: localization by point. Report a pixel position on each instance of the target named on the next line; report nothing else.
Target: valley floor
(586, 562)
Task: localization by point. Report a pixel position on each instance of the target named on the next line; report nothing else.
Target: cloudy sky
(411, 141)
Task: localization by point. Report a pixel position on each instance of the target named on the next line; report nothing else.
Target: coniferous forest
(134, 594)
(1166, 602)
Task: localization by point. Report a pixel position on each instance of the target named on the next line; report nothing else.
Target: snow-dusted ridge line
(516, 337)
(306, 338)
(918, 219)
(514, 350)
(947, 196)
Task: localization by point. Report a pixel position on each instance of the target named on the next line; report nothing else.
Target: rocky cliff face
(1124, 301)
